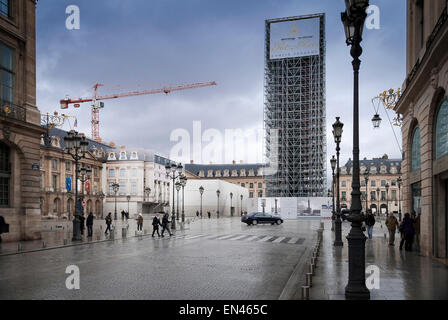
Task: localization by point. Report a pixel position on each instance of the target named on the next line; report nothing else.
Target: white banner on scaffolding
(296, 38)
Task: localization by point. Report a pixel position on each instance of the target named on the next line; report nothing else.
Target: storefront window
(415, 150)
(441, 131)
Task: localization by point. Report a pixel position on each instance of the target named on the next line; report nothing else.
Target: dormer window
(234, 173)
(226, 172)
(373, 170)
(210, 173)
(259, 172)
(242, 172)
(343, 170)
(111, 156)
(134, 156)
(383, 169)
(123, 155)
(393, 170)
(201, 173)
(218, 173)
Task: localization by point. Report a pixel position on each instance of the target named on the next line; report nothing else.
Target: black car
(260, 217)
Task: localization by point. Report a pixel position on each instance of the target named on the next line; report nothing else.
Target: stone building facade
(134, 170)
(20, 129)
(424, 108)
(249, 176)
(382, 172)
(57, 200)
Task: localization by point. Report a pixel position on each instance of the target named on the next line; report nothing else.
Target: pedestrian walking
(89, 224)
(408, 231)
(165, 224)
(370, 222)
(139, 222)
(155, 225)
(209, 214)
(108, 222)
(123, 213)
(392, 225)
(197, 214)
(82, 220)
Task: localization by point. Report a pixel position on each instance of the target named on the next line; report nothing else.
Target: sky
(143, 44)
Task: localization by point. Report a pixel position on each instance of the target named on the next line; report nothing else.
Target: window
(251, 194)
(68, 166)
(134, 155)
(55, 182)
(383, 170)
(363, 183)
(393, 183)
(5, 174)
(260, 194)
(383, 183)
(54, 164)
(383, 195)
(134, 172)
(415, 150)
(95, 172)
(133, 188)
(344, 183)
(260, 185)
(243, 185)
(122, 173)
(441, 130)
(112, 173)
(373, 183)
(363, 195)
(122, 190)
(344, 196)
(123, 155)
(373, 195)
(251, 185)
(5, 8)
(394, 195)
(6, 70)
(111, 189)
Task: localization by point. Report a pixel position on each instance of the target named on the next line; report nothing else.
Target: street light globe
(333, 163)
(376, 120)
(337, 130)
(201, 190)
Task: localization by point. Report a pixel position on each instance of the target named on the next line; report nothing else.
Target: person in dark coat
(123, 214)
(408, 231)
(155, 225)
(197, 214)
(370, 222)
(89, 224)
(82, 220)
(209, 214)
(108, 222)
(166, 224)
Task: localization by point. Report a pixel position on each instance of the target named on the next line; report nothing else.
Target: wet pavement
(211, 259)
(403, 275)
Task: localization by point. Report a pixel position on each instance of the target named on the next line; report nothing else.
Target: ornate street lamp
(102, 196)
(387, 199)
(115, 188)
(173, 172)
(337, 133)
(217, 206)
(353, 19)
(128, 197)
(147, 191)
(231, 196)
(183, 183)
(366, 179)
(76, 146)
(84, 174)
(378, 199)
(376, 120)
(201, 191)
(241, 196)
(399, 182)
(178, 186)
(333, 167)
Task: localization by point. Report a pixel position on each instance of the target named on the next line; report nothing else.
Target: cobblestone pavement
(403, 275)
(213, 259)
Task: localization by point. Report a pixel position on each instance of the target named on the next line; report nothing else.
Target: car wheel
(272, 223)
(255, 222)
(279, 222)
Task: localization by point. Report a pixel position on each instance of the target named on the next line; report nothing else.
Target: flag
(76, 123)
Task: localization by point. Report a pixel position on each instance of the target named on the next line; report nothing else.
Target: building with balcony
(20, 129)
(249, 176)
(135, 170)
(57, 180)
(423, 106)
(382, 189)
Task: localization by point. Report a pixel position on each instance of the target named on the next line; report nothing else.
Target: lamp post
(275, 206)
(217, 205)
(399, 182)
(387, 199)
(337, 133)
(201, 191)
(128, 197)
(84, 174)
(378, 199)
(76, 146)
(173, 172)
(333, 167)
(231, 196)
(366, 179)
(115, 187)
(102, 196)
(69, 196)
(353, 19)
(178, 186)
(241, 196)
(183, 183)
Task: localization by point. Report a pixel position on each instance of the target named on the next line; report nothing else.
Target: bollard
(305, 293)
(123, 232)
(322, 225)
(19, 247)
(312, 268)
(309, 280)
(146, 231)
(44, 244)
(65, 242)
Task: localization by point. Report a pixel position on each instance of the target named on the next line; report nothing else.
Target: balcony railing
(10, 110)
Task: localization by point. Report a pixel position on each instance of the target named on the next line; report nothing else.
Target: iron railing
(10, 110)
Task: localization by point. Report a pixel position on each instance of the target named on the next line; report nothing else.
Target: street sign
(35, 166)
(77, 105)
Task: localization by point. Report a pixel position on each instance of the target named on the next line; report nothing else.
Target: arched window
(415, 150)
(441, 138)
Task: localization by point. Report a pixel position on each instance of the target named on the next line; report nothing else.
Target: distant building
(249, 176)
(424, 108)
(134, 170)
(57, 180)
(20, 129)
(382, 171)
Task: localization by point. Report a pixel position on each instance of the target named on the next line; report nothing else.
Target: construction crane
(97, 104)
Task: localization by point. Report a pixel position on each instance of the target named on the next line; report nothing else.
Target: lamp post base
(183, 217)
(338, 233)
(76, 229)
(173, 222)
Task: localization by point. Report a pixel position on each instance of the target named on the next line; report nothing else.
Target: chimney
(191, 161)
(241, 161)
(233, 162)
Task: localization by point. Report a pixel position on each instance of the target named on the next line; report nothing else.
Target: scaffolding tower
(294, 108)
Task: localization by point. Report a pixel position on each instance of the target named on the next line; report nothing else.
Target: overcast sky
(140, 44)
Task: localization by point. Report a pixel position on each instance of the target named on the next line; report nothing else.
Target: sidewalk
(59, 233)
(403, 275)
